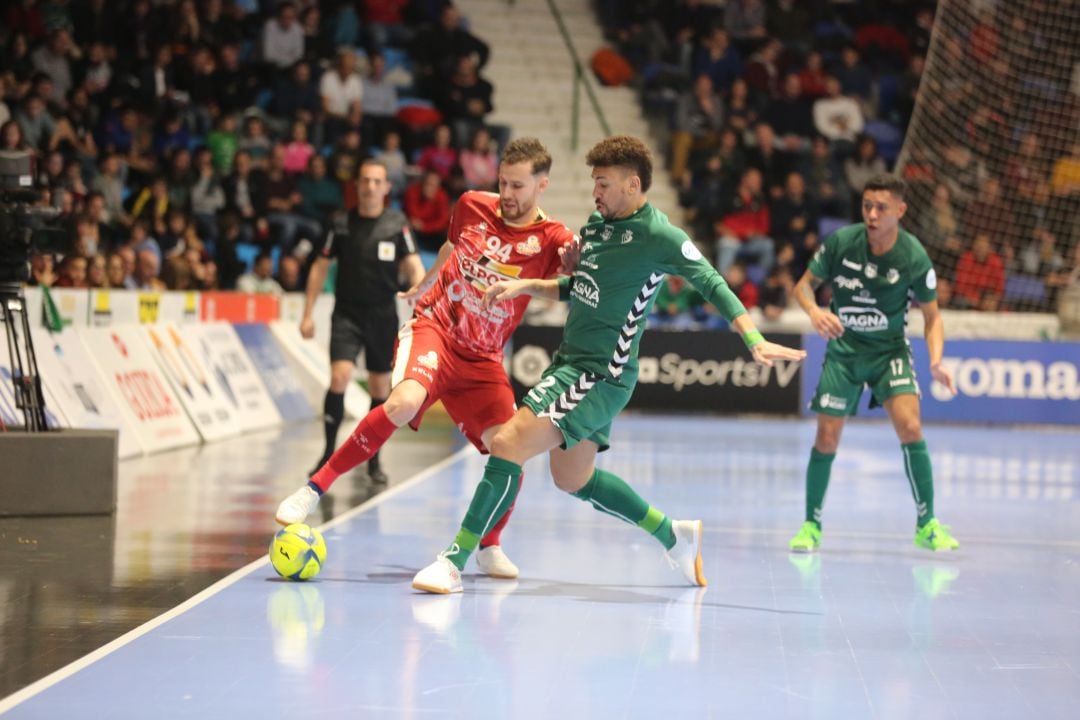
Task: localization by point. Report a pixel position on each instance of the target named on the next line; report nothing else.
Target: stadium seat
(889, 139)
(756, 273)
(1024, 288)
(828, 225)
(887, 88)
(247, 252)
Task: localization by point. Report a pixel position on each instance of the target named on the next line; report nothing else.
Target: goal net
(992, 153)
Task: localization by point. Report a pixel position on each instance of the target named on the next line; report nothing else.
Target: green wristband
(753, 338)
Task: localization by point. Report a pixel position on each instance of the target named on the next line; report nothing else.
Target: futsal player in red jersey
(452, 349)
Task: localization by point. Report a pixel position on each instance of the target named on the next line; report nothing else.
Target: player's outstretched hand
(766, 352)
(569, 255)
(943, 376)
(827, 325)
(503, 290)
(307, 328)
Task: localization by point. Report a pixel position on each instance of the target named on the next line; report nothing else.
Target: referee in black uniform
(373, 248)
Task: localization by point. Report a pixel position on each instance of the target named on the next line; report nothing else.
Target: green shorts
(579, 403)
(842, 380)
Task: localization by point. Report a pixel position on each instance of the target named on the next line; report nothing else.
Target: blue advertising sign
(997, 381)
(273, 368)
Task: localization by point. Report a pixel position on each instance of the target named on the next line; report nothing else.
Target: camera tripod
(24, 368)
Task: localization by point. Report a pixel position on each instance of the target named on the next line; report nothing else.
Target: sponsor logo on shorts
(430, 360)
(847, 283)
(899, 381)
(832, 402)
(863, 319)
(531, 246)
(848, 264)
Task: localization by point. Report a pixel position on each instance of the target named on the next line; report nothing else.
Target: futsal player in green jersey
(627, 246)
(875, 268)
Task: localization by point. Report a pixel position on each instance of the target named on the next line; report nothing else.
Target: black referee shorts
(374, 332)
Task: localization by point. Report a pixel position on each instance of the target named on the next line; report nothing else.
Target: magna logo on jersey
(863, 319)
(585, 289)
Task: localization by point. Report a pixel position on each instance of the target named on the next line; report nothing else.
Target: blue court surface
(599, 626)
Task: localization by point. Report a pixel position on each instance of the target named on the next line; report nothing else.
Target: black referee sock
(333, 414)
(373, 463)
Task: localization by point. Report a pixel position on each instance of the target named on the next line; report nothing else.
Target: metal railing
(580, 80)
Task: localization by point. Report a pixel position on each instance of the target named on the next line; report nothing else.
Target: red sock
(492, 538)
(366, 439)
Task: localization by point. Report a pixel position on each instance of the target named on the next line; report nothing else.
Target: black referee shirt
(368, 251)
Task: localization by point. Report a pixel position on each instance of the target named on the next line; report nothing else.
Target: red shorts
(473, 388)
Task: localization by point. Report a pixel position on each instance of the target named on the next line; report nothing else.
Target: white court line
(68, 670)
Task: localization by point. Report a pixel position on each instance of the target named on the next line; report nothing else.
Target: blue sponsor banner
(273, 368)
(997, 381)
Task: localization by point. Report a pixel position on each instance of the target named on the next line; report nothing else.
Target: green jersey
(871, 294)
(622, 265)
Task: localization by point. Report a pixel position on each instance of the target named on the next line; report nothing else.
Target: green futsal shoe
(807, 539)
(935, 536)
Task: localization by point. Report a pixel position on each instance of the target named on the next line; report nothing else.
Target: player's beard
(521, 216)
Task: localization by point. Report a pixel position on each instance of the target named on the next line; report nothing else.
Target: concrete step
(533, 76)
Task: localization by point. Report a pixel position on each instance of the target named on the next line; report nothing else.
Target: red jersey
(486, 250)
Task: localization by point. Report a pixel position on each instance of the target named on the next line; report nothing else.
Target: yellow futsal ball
(297, 552)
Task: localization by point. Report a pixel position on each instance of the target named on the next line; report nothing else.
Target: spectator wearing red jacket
(428, 208)
(743, 229)
(980, 276)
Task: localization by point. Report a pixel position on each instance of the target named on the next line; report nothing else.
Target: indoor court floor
(598, 625)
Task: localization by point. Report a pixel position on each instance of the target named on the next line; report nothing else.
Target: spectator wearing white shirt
(283, 38)
(380, 101)
(836, 116)
(342, 91)
(261, 278)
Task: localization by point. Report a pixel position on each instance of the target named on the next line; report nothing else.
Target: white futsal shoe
(493, 562)
(686, 553)
(296, 507)
(440, 577)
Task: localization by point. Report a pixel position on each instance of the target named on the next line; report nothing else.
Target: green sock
(920, 473)
(493, 497)
(817, 482)
(610, 494)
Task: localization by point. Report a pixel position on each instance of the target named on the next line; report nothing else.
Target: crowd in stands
(184, 141)
(779, 111)
(199, 144)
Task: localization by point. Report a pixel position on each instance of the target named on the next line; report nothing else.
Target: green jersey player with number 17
(627, 247)
(875, 269)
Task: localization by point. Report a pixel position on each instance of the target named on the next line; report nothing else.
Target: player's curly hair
(528, 149)
(624, 151)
